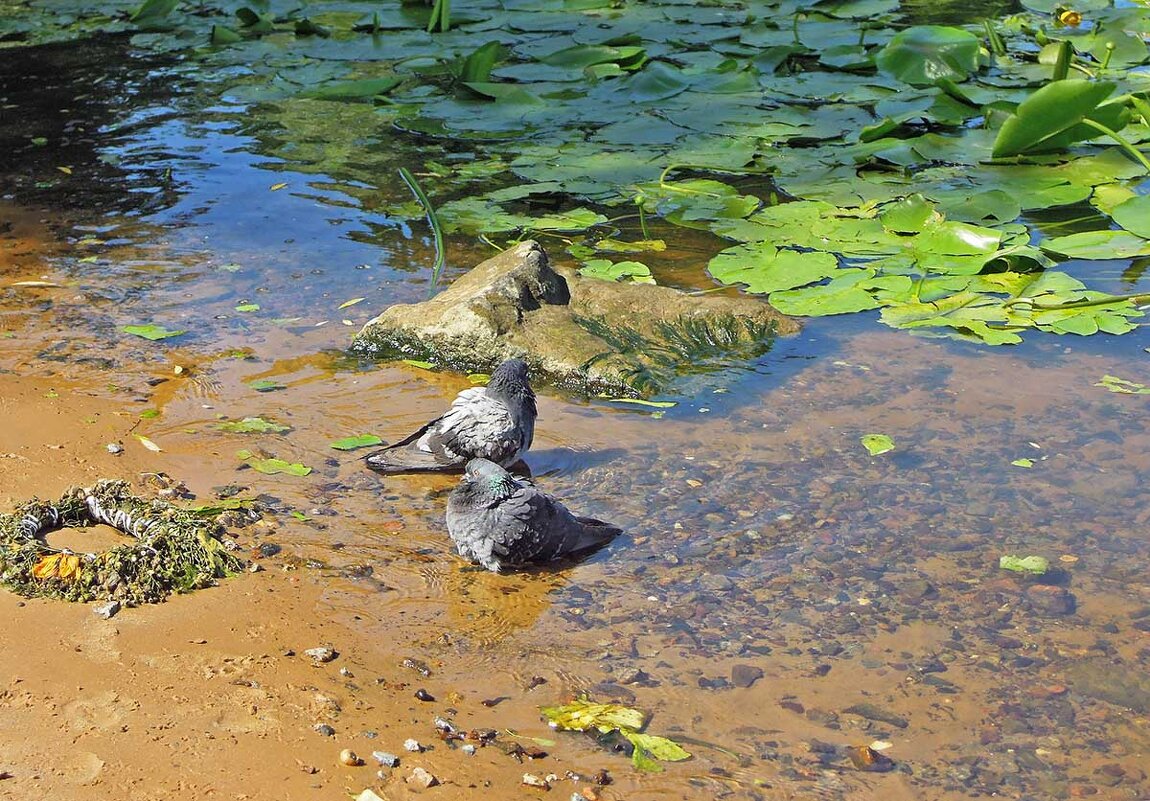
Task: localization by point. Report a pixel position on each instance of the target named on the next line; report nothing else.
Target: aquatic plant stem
(1121, 140)
(432, 220)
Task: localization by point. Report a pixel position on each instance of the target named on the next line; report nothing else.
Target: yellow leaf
(47, 567)
(35, 283)
(147, 443)
(65, 170)
(277, 187)
(69, 567)
(351, 302)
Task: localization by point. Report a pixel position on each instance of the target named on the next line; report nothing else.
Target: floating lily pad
(877, 444)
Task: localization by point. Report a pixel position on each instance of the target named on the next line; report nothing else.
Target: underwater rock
(583, 333)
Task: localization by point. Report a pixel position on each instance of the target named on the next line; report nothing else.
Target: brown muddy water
(779, 595)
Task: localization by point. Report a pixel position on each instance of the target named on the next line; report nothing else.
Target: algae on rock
(582, 333)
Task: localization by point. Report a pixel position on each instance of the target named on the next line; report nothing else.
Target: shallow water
(759, 532)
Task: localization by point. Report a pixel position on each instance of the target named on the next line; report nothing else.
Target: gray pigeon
(495, 422)
(500, 522)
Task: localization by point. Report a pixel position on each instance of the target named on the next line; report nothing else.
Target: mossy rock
(585, 334)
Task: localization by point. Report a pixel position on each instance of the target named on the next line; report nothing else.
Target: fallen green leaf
(272, 466)
(252, 425)
(1034, 565)
(361, 441)
(641, 402)
(265, 385)
(151, 332)
(1023, 462)
(1121, 385)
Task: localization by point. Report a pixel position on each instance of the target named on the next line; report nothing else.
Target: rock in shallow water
(585, 333)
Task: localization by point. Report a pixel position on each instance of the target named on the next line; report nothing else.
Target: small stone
(350, 758)
(863, 757)
(468, 749)
(255, 567)
(745, 675)
(1050, 601)
(412, 745)
(531, 780)
(324, 729)
(716, 582)
(385, 759)
(114, 448)
(322, 654)
(631, 675)
(107, 610)
(421, 777)
(424, 695)
(347, 674)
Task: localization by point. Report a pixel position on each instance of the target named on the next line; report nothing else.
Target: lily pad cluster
(851, 160)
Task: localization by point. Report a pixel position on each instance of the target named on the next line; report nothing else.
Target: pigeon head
(509, 378)
(489, 479)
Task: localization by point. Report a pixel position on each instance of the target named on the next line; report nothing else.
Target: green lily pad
(1134, 215)
(606, 270)
(877, 444)
(151, 332)
(924, 54)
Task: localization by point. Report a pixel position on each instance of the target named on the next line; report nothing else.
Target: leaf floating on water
(351, 302)
(659, 747)
(641, 402)
(1121, 385)
(361, 441)
(272, 466)
(583, 714)
(417, 363)
(252, 425)
(1034, 565)
(41, 284)
(248, 307)
(151, 332)
(277, 187)
(1023, 463)
(877, 444)
(147, 443)
(478, 378)
(265, 385)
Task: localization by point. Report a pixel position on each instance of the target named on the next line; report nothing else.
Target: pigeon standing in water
(499, 522)
(495, 422)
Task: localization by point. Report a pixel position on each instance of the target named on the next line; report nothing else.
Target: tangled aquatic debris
(171, 550)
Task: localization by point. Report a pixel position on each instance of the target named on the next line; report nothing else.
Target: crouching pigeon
(500, 522)
(495, 422)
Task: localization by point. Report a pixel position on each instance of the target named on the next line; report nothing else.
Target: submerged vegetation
(850, 159)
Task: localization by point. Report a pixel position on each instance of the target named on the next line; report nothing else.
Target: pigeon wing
(476, 425)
